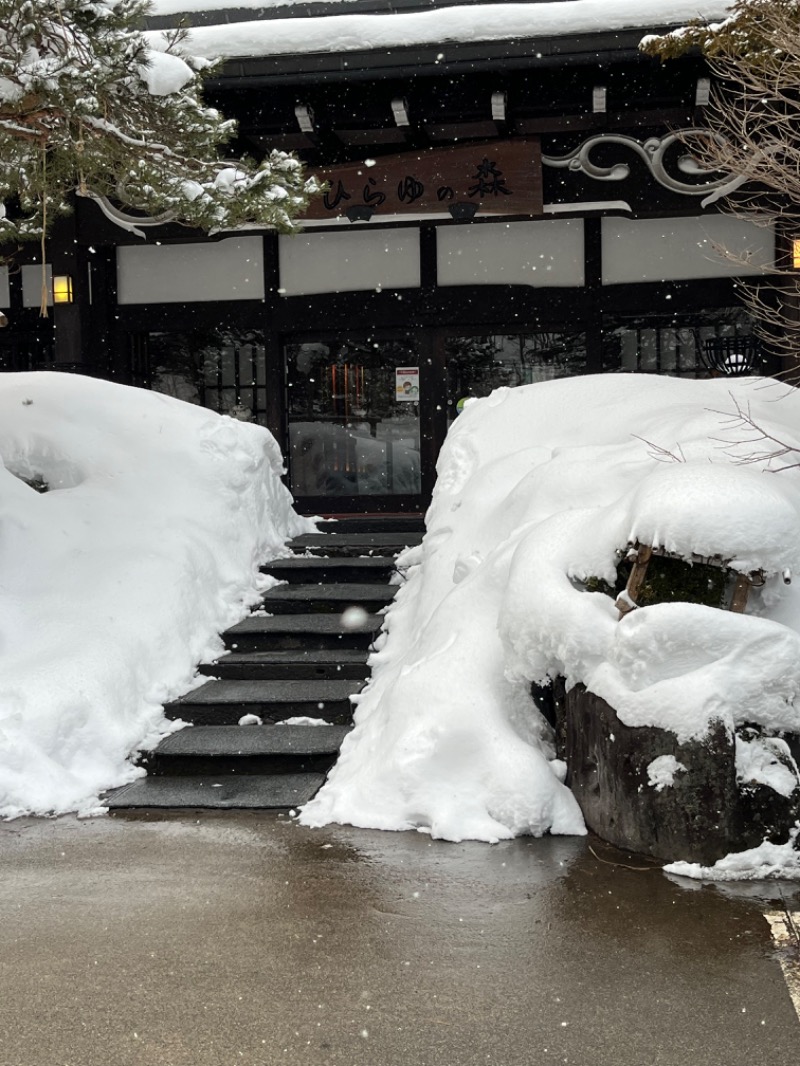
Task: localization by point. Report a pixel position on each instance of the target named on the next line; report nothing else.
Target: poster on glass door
(406, 383)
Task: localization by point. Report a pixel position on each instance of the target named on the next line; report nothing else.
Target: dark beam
(439, 60)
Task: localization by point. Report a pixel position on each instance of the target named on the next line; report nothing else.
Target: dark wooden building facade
(499, 212)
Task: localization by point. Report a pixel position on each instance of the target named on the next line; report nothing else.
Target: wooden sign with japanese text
(494, 177)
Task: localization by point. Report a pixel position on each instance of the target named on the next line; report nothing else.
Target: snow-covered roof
(268, 28)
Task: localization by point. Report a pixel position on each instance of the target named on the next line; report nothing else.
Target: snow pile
(757, 864)
(165, 73)
(766, 761)
(478, 22)
(303, 719)
(661, 772)
(116, 581)
(539, 488)
(250, 719)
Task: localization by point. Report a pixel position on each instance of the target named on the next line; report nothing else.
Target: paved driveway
(246, 939)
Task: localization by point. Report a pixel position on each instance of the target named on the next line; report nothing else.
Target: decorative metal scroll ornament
(653, 151)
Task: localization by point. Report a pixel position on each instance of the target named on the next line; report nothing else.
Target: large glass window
(353, 407)
(26, 351)
(667, 344)
(476, 365)
(219, 369)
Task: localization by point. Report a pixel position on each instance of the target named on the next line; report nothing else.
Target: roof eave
(594, 49)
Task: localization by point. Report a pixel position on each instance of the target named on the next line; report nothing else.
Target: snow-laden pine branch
(87, 107)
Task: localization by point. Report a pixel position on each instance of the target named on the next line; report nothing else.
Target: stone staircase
(295, 656)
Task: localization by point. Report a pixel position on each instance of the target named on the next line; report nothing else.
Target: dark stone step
(342, 664)
(305, 568)
(277, 749)
(327, 598)
(300, 631)
(254, 740)
(354, 544)
(397, 523)
(225, 702)
(254, 791)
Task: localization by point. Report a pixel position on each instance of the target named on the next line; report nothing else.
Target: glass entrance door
(368, 413)
(353, 406)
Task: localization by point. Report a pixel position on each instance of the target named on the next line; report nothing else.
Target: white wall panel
(32, 285)
(678, 249)
(540, 254)
(231, 269)
(5, 295)
(349, 262)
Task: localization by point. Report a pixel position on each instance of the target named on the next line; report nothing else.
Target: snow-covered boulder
(539, 488)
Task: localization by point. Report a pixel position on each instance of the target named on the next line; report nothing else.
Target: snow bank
(116, 582)
(538, 489)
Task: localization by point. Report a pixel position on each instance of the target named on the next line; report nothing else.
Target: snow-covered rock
(539, 488)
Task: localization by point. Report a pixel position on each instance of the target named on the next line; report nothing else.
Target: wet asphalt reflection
(219, 939)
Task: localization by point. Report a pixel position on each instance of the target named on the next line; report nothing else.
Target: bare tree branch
(754, 114)
(774, 449)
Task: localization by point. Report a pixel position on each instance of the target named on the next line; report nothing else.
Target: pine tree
(87, 108)
(748, 33)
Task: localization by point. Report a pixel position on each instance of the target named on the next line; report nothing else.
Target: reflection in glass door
(219, 369)
(668, 344)
(476, 365)
(353, 413)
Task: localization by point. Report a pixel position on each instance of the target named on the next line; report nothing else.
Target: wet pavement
(224, 939)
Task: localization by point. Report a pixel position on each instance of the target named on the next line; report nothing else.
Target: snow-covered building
(508, 202)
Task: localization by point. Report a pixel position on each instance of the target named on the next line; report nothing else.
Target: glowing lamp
(62, 289)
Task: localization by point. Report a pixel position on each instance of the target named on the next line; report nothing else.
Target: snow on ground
(757, 864)
(115, 583)
(538, 488)
(303, 719)
(459, 24)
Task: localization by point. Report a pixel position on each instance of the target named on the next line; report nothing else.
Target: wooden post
(626, 601)
(740, 593)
